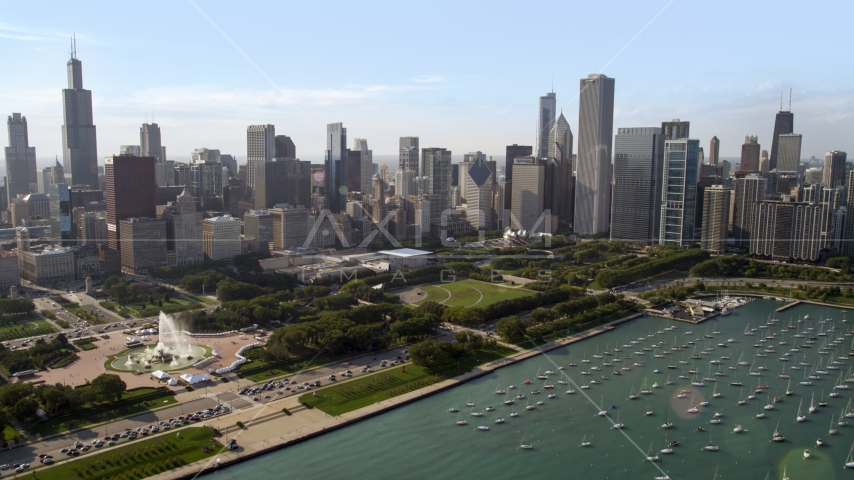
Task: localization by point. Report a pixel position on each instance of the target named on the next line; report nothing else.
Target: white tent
(160, 375)
(194, 379)
(172, 382)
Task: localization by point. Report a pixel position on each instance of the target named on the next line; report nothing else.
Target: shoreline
(229, 458)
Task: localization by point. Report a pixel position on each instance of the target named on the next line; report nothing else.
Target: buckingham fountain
(173, 350)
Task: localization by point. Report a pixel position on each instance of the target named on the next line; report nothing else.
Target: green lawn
(130, 404)
(139, 459)
(199, 298)
(364, 391)
(467, 293)
(12, 328)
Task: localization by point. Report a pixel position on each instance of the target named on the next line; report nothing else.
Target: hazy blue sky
(461, 75)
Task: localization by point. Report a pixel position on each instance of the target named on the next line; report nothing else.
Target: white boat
(584, 442)
(483, 428)
(806, 454)
(812, 408)
(453, 409)
(667, 423)
(649, 455)
(738, 429)
(499, 391)
(849, 462)
(525, 446)
(819, 442)
(499, 420)
(711, 446)
(832, 430)
(489, 409)
(460, 421)
(777, 437)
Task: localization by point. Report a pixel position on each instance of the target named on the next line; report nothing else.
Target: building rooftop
(404, 252)
(224, 218)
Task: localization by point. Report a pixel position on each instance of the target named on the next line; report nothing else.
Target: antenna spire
(790, 99)
(781, 101)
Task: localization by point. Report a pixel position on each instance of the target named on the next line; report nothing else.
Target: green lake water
(421, 440)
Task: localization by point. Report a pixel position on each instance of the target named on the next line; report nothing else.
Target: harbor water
(422, 439)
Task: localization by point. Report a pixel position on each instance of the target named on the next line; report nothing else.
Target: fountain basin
(149, 359)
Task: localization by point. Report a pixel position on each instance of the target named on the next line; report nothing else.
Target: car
(85, 448)
(64, 450)
(266, 396)
(111, 443)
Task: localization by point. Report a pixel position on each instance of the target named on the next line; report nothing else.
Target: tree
(108, 387)
(421, 353)
(511, 329)
(12, 393)
(25, 409)
(839, 262)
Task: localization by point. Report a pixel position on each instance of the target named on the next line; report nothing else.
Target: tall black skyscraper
(79, 145)
(336, 167)
(785, 123)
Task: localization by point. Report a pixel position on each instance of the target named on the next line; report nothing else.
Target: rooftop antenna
(781, 101)
(74, 46)
(790, 99)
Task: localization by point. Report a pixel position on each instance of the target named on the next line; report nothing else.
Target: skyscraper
(675, 129)
(526, 204)
(480, 181)
(560, 154)
(437, 169)
(636, 204)
(593, 177)
(408, 162)
(716, 202)
(60, 214)
(678, 192)
(546, 118)
(260, 147)
(748, 190)
(285, 147)
(750, 154)
(783, 124)
(788, 152)
(183, 231)
(336, 167)
(366, 164)
(833, 174)
(20, 159)
(512, 152)
(149, 142)
(282, 181)
(714, 151)
(130, 192)
(79, 143)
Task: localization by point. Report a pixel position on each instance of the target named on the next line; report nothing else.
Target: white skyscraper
(260, 147)
(546, 118)
(479, 182)
(526, 203)
(593, 168)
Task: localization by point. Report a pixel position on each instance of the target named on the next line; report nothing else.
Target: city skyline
(728, 102)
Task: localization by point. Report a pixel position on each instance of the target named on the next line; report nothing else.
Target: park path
(479, 299)
(446, 291)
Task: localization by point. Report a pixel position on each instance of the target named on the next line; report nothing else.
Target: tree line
(22, 400)
(675, 261)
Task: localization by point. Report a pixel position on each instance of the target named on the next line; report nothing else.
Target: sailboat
(498, 390)
(842, 422)
(667, 447)
(813, 408)
(715, 393)
(506, 401)
(453, 410)
(667, 423)
(693, 409)
(849, 462)
(525, 446)
(832, 430)
(529, 406)
(711, 446)
(649, 455)
(777, 437)
(584, 442)
(789, 388)
(800, 417)
(602, 413)
(513, 412)
(632, 394)
(460, 421)
(619, 424)
(769, 406)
